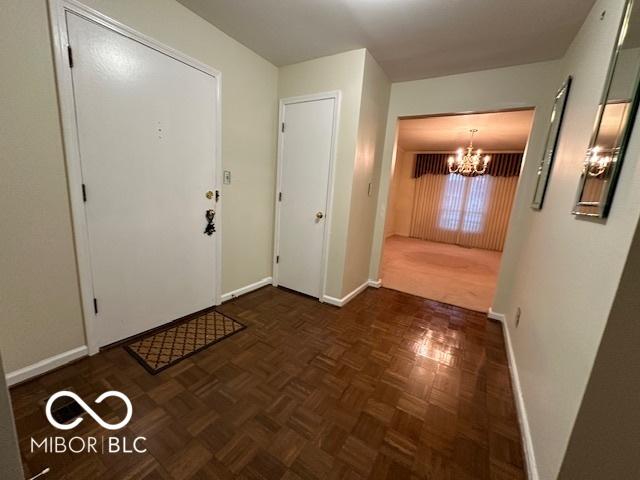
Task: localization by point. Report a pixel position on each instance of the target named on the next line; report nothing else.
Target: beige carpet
(465, 277)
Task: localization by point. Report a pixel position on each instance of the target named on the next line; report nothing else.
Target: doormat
(161, 349)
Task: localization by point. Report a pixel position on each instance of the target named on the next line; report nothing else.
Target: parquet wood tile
(389, 387)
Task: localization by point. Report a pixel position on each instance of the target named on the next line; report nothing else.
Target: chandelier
(469, 163)
(596, 163)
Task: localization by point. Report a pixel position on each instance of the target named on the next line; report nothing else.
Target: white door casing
(303, 199)
(145, 141)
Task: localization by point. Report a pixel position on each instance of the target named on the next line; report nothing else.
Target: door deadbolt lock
(209, 194)
(210, 228)
(319, 215)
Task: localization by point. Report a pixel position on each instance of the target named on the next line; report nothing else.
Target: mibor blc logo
(89, 444)
(89, 410)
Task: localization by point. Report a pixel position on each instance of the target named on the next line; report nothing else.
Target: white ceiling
(505, 131)
(411, 39)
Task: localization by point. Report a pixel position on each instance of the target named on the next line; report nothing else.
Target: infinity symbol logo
(89, 410)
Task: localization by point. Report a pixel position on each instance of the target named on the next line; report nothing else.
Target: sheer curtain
(468, 211)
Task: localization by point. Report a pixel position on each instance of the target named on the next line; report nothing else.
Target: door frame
(336, 95)
(70, 137)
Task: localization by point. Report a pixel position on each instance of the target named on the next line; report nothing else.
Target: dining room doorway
(452, 190)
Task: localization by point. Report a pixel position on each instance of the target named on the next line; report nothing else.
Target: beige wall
(368, 160)
(344, 72)
(568, 269)
(40, 313)
(605, 442)
(530, 85)
(10, 464)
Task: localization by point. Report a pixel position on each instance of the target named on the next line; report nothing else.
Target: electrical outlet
(518, 313)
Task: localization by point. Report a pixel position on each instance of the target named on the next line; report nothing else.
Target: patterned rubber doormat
(161, 349)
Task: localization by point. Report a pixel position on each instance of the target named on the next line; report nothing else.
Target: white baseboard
(496, 316)
(341, 302)
(375, 283)
(246, 289)
(43, 366)
(530, 458)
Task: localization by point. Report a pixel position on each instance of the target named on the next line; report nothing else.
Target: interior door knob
(319, 215)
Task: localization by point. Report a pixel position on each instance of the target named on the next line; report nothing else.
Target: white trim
(332, 301)
(337, 97)
(529, 454)
(246, 289)
(57, 19)
(375, 283)
(43, 366)
(496, 316)
(341, 302)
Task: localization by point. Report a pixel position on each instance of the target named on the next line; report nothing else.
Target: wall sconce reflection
(597, 162)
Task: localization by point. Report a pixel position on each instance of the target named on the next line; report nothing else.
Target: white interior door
(146, 131)
(305, 158)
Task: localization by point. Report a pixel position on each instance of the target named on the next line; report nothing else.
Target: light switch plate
(226, 177)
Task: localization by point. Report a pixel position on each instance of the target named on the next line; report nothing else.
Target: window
(464, 203)
(451, 206)
(476, 205)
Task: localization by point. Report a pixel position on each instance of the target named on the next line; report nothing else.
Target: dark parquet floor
(390, 386)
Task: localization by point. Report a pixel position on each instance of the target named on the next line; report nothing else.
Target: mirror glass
(544, 170)
(615, 119)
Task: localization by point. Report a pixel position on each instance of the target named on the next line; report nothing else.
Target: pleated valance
(501, 164)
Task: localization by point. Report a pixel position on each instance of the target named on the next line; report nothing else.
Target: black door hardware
(210, 216)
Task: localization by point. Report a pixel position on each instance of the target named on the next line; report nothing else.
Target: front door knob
(319, 215)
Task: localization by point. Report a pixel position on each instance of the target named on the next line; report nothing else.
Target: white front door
(305, 160)
(146, 132)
